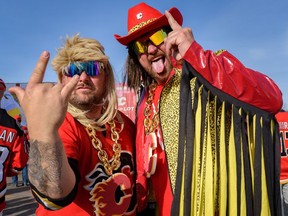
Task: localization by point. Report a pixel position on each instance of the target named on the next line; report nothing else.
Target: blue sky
(255, 31)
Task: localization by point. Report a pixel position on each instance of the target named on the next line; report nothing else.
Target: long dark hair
(135, 75)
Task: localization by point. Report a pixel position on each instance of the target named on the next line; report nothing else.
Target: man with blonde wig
(81, 161)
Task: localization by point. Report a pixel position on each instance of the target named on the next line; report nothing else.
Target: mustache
(84, 85)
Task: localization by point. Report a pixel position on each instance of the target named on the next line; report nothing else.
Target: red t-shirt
(114, 195)
(160, 179)
(282, 118)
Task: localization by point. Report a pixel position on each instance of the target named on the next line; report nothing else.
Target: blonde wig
(78, 49)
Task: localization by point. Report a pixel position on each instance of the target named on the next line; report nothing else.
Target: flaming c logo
(104, 195)
(113, 195)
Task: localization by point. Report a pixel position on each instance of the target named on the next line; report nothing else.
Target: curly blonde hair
(76, 49)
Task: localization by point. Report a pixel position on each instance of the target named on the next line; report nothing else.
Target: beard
(85, 101)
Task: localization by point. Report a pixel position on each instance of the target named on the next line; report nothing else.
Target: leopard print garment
(169, 118)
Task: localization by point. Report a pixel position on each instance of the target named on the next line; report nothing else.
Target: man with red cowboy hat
(206, 132)
(13, 156)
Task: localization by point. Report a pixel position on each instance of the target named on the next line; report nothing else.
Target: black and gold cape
(228, 160)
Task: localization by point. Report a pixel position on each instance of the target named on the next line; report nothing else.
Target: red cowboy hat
(143, 18)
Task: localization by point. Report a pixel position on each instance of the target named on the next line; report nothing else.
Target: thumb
(69, 87)
(18, 91)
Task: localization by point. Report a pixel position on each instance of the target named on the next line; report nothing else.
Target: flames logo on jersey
(115, 194)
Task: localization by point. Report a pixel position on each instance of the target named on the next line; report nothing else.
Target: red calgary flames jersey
(13, 152)
(98, 193)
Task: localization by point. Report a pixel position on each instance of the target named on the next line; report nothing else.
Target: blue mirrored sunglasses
(91, 68)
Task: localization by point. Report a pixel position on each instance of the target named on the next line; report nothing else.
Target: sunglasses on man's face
(141, 46)
(91, 68)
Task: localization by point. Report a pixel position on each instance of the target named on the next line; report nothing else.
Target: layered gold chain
(151, 121)
(102, 154)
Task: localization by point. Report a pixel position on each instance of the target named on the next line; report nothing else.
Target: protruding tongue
(158, 65)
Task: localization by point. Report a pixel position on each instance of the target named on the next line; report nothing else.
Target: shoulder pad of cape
(218, 52)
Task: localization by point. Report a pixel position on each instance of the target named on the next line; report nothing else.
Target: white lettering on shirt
(283, 125)
(7, 136)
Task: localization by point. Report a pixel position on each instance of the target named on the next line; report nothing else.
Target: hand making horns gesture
(179, 39)
(44, 104)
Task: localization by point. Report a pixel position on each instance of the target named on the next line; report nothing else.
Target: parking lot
(19, 200)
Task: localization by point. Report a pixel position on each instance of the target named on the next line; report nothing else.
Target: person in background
(14, 155)
(81, 162)
(282, 118)
(206, 135)
(24, 172)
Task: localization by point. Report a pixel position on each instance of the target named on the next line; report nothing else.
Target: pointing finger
(172, 22)
(39, 70)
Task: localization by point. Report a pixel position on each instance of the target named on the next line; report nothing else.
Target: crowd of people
(205, 140)
(13, 149)
(282, 118)
(24, 172)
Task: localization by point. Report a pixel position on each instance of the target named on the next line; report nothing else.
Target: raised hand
(178, 40)
(44, 104)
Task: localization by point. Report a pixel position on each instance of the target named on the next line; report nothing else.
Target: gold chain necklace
(151, 121)
(102, 154)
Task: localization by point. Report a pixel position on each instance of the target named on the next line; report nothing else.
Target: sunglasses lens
(72, 70)
(158, 37)
(91, 68)
(139, 47)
